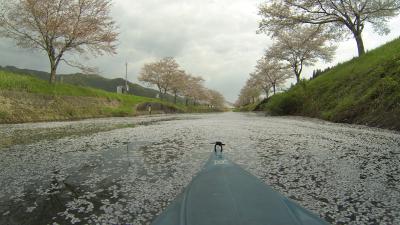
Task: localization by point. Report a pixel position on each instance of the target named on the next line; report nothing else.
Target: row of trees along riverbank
(25, 98)
(168, 76)
(364, 90)
(72, 27)
(304, 32)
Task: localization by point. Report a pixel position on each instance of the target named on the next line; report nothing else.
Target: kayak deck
(223, 193)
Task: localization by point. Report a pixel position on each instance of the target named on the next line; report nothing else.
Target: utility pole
(126, 77)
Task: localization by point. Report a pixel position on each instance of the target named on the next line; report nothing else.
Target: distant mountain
(97, 81)
(89, 80)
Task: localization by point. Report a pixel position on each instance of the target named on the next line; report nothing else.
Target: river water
(127, 170)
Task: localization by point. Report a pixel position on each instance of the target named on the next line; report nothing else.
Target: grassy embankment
(364, 90)
(247, 108)
(28, 99)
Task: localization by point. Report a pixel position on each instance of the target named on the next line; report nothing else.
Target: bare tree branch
(300, 47)
(342, 16)
(59, 27)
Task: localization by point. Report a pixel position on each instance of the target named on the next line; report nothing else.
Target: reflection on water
(113, 186)
(348, 175)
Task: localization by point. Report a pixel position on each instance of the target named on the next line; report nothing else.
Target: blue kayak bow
(222, 193)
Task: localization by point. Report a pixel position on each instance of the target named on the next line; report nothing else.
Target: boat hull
(222, 193)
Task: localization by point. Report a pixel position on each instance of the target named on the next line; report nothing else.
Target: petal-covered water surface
(107, 173)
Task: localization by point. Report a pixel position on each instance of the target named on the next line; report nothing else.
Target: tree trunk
(360, 43)
(160, 94)
(274, 87)
(165, 95)
(53, 69)
(53, 72)
(297, 76)
(175, 94)
(297, 72)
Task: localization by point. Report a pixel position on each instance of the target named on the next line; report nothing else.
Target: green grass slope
(27, 99)
(247, 108)
(364, 90)
(88, 80)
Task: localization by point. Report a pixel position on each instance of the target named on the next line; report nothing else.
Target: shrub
(287, 103)
(3, 115)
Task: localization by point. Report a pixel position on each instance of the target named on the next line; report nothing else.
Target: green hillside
(364, 90)
(88, 80)
(99, 82)
(24, 98)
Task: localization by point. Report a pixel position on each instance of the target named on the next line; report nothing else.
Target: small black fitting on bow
(218, 143)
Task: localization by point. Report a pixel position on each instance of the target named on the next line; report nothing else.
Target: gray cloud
(212, 39)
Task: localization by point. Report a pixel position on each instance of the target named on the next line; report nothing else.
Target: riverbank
(364, 90)
(28, 99)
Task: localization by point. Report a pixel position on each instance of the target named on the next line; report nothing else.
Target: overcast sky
(215, 39)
